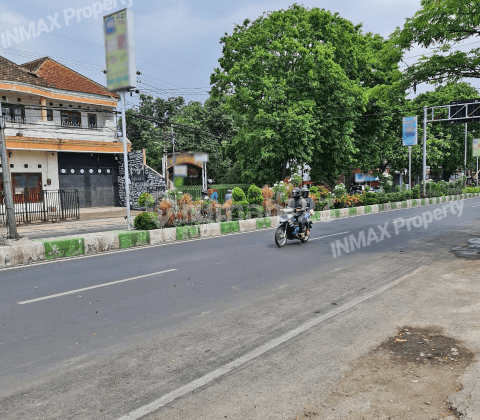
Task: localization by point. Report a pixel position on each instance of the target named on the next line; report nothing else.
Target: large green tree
(197, 128)
(207, 128)
(442, 24)
(148, 126)
(298, 82)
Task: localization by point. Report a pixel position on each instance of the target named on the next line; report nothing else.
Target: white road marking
(198, 383)
(94, 287)
(475, 206)
(328, 236)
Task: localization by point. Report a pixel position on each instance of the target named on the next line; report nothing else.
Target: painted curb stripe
(234, 226)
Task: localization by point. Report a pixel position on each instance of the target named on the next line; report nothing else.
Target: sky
(177, 41)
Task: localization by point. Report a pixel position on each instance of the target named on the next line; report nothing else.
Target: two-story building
(61, 131)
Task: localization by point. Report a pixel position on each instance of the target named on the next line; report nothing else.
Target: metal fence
(42, 206)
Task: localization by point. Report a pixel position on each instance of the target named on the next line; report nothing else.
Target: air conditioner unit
(4, 99)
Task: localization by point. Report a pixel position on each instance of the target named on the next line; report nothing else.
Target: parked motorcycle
(289, 228)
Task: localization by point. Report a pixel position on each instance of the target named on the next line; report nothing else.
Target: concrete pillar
(43, 103)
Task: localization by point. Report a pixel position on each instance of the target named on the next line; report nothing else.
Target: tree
(298, 82)
(147, 126)
(207, 128)
(292, 99)
(442, 24)
(198, 128)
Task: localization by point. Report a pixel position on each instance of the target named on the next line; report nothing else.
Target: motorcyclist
(299, 205)
(310, 206)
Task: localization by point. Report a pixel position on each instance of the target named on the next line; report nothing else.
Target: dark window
(25, 165)
(13, 113)
(49, 114)
(71, 118)
(92, 120)
(39, 166)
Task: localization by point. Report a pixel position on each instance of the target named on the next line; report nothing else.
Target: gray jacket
(297, 203)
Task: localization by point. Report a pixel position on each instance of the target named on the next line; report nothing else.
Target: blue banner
(365, 178)
(410, 133)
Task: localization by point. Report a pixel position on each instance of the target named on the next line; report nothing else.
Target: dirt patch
(426, 346)
(408, 376)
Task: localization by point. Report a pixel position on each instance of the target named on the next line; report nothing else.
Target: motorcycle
(289, 228)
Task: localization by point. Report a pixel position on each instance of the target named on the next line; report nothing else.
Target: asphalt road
(104, 352)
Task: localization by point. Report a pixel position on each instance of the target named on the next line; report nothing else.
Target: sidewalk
(92, 220)
(427, 366)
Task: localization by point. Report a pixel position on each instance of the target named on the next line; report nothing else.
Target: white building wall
(106, 121)
(47, 160)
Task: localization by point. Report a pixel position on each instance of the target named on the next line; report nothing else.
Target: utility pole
(477, 172)
(424, 150)
(466, 124)
(125, 161)
(410, 167)
(7, 182)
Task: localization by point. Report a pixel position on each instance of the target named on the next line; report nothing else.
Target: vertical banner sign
(120, 50)
(476, 148)
(410, 132)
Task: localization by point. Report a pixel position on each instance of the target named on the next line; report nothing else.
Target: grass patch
(229, 227)
(187, 232)
(131, 239)
(64, 248)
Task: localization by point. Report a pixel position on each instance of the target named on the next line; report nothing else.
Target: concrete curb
(38, 250)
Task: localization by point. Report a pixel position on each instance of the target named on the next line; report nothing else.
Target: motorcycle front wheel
(281, 236)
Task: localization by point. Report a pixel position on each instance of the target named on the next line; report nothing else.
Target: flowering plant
(339, 190)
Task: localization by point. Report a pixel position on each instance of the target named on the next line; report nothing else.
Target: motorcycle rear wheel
(280, 236)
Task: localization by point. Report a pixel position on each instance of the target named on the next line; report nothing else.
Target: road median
(24, 252)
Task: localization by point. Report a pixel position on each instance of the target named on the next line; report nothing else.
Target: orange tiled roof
(61, 77)
(12, 72)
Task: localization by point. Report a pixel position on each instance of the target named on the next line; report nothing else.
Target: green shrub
(313, 189)
(255, 211)
(146, 221)
(416, 191)
(296, 180)
(471, 190)
(339, 190)
(238, 195)
(369, 198)
(145, 200)
(239, 210)
(254, 195)
(320, 205)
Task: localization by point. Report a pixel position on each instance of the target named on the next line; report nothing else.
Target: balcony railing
(56, 122)
(42, 206)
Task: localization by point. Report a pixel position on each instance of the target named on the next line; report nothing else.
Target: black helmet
(296, 193)
(305, 192)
